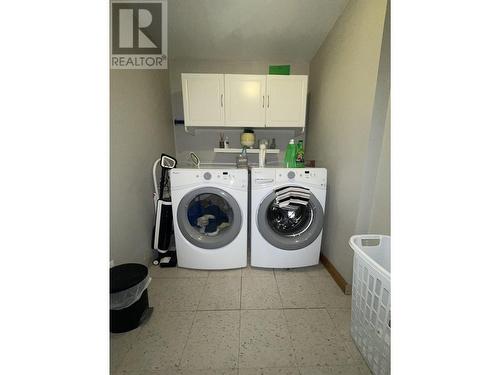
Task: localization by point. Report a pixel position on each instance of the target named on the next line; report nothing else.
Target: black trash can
(123, 277)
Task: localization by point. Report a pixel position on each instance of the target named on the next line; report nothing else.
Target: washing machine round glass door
(291, 227)
(209, 217)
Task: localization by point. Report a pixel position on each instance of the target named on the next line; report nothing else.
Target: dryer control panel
(311, 176)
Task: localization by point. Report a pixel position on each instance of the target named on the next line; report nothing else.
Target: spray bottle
(299, 160)
(290, 155)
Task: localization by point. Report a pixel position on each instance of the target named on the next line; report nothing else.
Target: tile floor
(248, 321)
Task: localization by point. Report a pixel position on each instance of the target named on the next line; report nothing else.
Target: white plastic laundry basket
(371, 300)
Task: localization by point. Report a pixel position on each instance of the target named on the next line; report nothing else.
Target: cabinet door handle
(221, 100)
(268, 101)
(263, 101)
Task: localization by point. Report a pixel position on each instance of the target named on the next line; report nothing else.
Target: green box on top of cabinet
(279, 69)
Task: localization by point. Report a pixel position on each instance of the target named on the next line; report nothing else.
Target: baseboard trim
(344, 285)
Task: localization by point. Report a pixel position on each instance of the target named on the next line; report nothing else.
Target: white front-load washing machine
(286, 236)
(210, 208)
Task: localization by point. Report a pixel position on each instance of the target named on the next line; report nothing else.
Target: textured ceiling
(255, 30)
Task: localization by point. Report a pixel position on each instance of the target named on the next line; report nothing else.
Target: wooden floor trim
(344, 285)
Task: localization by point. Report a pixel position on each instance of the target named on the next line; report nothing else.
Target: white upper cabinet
(286, 101)
(203, 99)
(245, 100)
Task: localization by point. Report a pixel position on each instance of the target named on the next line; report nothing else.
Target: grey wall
(343, 109)
(380, 217)
(141, 129)
(378, 131)
(257, 30)
(202, 141)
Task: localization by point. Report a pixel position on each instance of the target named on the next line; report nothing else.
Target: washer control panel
(225, 177)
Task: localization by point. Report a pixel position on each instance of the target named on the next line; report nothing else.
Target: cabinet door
(286, 101)
(203, 99)
(245, 100)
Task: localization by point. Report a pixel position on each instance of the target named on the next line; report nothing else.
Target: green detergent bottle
(290, 155)
(299, 160)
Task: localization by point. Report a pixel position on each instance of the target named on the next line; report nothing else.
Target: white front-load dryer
(286, 237)
(210, 208)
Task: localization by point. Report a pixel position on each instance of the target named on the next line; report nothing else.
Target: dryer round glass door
(209, 217)
(291, 227)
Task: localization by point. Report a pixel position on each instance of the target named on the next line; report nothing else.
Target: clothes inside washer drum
(227, 214)
(292, 195)
(290, 220)
(292, 227)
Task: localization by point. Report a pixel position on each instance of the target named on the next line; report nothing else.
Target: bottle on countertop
(262, 155)
(226, 142)
(222, 144)
(273, 144)
(290, 155)
(242, 159)
(299, 159)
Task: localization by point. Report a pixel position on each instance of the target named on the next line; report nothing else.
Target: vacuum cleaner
(163, 227)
